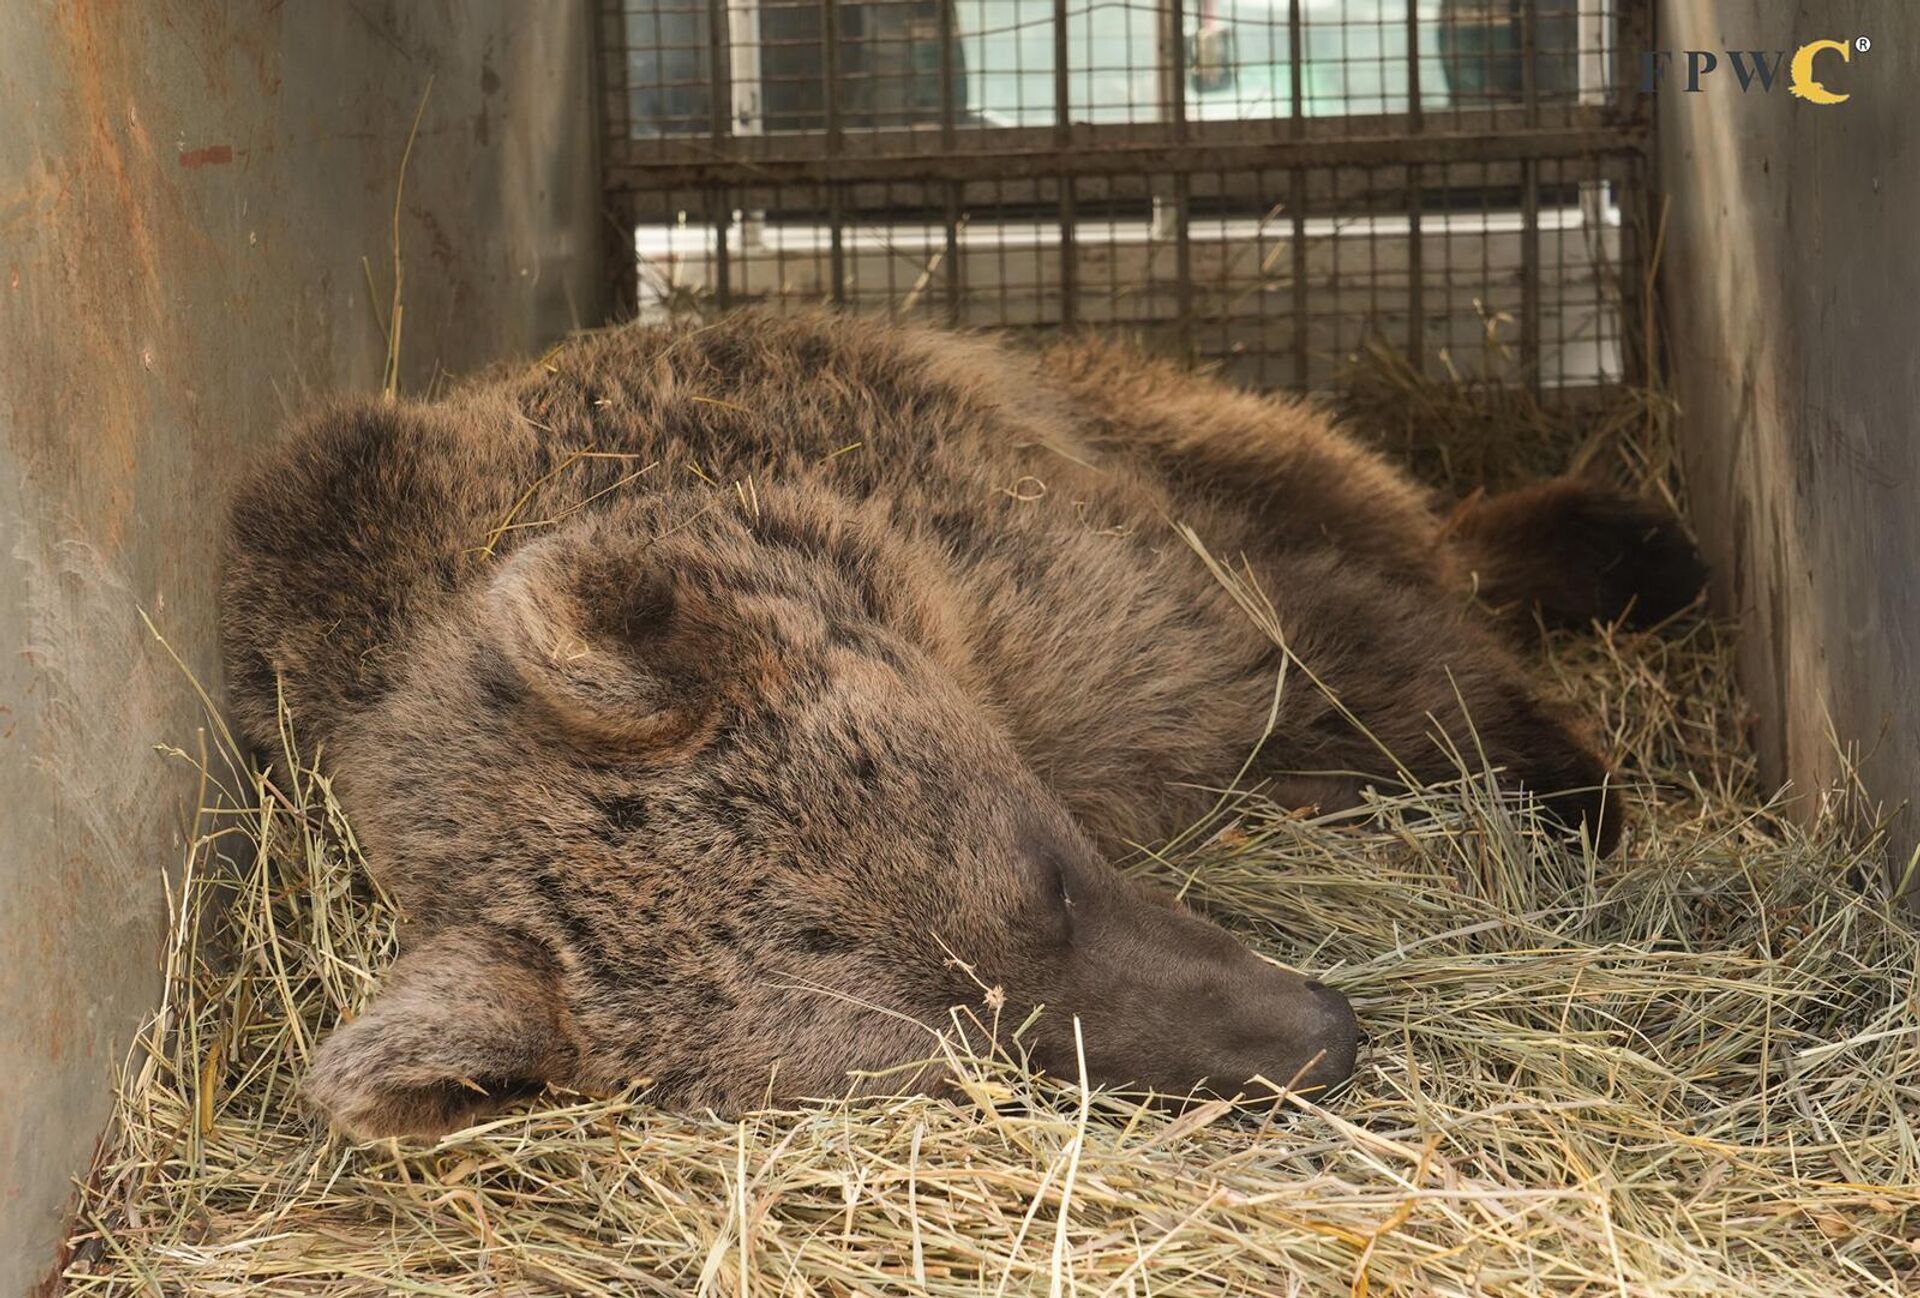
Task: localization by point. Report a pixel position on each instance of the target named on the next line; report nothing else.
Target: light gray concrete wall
(1792, 289)
(187, 192)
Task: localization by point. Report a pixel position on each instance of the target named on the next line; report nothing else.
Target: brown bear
(724, 704)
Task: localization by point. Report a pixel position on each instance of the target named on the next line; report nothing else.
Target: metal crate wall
(1264, 185)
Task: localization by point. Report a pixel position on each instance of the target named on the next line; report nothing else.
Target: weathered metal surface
(187, 194)
(1791, 285)
(897, 157)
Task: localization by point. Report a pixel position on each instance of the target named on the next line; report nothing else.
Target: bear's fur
(722, 704)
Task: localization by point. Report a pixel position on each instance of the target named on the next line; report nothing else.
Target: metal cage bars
(1592, 138)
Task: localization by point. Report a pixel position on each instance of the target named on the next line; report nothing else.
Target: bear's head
(710, 794)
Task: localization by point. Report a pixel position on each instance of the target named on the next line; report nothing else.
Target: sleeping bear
(722, 704)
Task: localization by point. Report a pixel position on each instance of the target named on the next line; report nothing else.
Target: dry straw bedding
(1693, 1069)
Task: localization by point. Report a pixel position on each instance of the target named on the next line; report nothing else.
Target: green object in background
(1482, 47)
(1212, 63)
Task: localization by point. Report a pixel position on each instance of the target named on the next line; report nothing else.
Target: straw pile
(1694, 1069)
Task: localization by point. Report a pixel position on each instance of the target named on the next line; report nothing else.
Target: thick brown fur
(1573, 552)
(723, 704)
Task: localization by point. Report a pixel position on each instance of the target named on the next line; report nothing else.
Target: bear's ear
(599, 635)
(462, 1024)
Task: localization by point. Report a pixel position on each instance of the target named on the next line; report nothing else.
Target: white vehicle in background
(1237, 55)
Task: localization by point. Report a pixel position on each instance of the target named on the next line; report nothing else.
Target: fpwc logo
(1753, 66)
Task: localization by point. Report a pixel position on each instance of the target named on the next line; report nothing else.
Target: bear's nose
(1334, 1036)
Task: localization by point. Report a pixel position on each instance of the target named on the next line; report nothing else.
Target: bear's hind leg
(1578, 552)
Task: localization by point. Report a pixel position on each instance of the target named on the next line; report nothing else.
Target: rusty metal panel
(1790, 286)
(197, 206)
(1112, 150)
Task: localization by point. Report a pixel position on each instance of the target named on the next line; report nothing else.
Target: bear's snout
(1281, 1028)
(1174, 1004)
(1336, 1032)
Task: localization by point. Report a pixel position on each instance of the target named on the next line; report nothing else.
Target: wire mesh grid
(1264, 185)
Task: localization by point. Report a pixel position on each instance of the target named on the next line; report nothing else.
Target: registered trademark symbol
(1862, 44)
